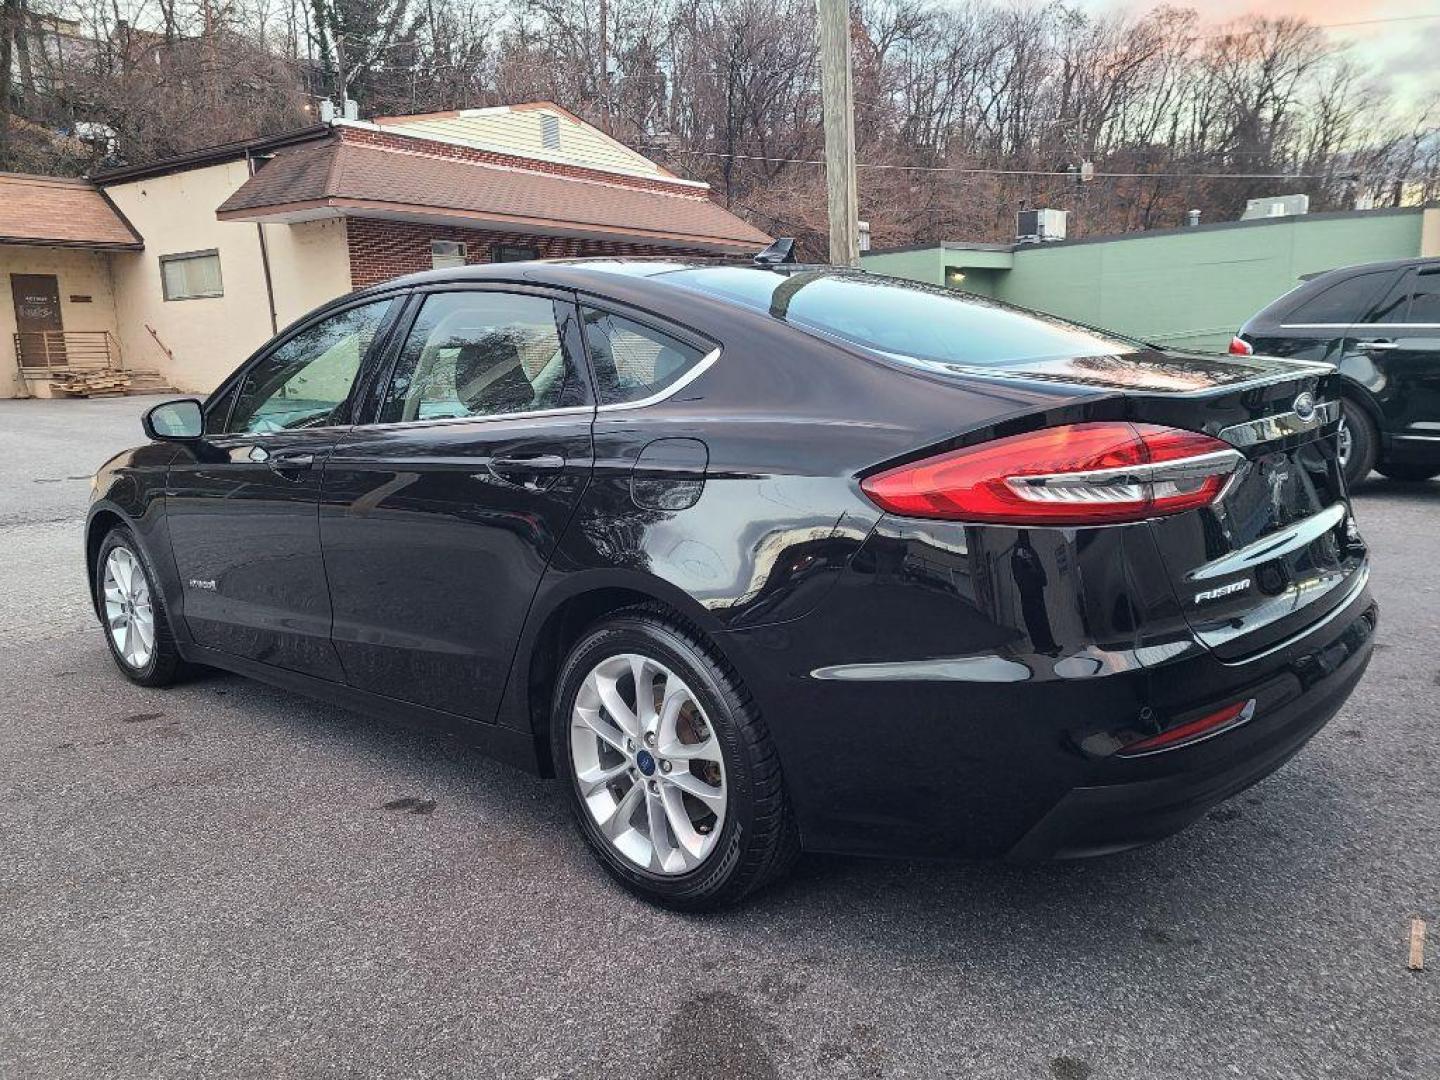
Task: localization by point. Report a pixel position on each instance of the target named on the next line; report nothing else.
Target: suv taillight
(1240, 347)
(1079, 474)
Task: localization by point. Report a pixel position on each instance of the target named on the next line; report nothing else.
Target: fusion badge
(1222, 590)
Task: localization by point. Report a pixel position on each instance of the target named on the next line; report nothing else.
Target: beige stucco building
(177, 270)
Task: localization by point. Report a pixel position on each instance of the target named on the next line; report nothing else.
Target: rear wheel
(1402, 471)
(1359, 442)
(137, 624)
(671, 772)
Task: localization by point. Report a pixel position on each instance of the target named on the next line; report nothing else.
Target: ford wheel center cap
(646, 761)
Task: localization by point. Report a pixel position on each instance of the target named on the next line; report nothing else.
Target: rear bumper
(1102, 819)
(946, 759)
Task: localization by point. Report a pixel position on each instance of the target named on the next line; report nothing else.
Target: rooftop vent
(1276, 206)
(550, 131)
(1039, 226)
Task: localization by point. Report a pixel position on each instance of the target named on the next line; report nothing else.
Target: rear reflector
(1240, 347)
(1232, 716)
(1079, 474)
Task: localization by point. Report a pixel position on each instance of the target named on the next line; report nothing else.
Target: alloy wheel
(1346, 443)
(648, 764)
(129, 616)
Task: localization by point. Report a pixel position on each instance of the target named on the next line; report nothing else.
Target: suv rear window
(903, 319)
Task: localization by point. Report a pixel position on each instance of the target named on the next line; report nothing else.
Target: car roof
(600, 274)
(1371, 267)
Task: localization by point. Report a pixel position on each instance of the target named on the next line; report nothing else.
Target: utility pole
(838, 92)
(605, 63)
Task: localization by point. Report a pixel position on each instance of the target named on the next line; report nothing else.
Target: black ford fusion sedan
(756, 559)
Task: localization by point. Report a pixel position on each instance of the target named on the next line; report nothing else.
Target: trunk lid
(1278, 549)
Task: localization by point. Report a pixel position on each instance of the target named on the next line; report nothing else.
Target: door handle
(286, 461)
(532, 473)
(1376, 346)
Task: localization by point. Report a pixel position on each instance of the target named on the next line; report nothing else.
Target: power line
(1374, 22)
(969, 171)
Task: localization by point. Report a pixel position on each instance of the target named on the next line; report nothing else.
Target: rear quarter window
(633, 361)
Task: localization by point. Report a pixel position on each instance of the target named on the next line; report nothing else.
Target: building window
(515, 253)
(191, 275)
(446, 253)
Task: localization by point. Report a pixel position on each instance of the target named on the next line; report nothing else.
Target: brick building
(189, 264)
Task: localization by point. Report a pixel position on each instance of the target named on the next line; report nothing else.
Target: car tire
(752, 839)
(1404, 471)
(127, 597)
(1364, 442)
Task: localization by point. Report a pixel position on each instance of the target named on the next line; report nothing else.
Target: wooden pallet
(103, 383)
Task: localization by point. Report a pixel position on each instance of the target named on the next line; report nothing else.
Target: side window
(1415, 300)
(631, 360)
(1344, 302)
(480, 354)
(1395, 304)
(1425, 298)
(302, 383)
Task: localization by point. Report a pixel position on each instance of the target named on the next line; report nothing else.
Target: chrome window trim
(1267, 428)
(528, 414)
(1375, 327)
(703, 365)
(1297, 536)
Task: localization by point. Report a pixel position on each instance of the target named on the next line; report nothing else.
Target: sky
(1400, 37)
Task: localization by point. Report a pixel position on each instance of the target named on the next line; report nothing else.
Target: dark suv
(1380, 325)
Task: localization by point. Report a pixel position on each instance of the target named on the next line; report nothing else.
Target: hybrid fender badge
(1222, 590)
(197, 583)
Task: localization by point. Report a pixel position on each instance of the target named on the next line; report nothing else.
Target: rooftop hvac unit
(1276, 206)
(1039, 226)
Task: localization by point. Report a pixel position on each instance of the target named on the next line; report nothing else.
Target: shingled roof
(53, 211)
(401, 176)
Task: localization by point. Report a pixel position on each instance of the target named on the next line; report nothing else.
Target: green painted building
(1190, 288)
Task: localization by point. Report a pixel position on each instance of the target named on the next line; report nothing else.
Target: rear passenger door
(1400, 337)
(440, 512)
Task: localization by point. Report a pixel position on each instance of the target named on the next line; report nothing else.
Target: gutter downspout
(264, 257)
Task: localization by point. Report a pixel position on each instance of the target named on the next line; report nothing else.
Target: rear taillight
(1208, 726)
(1240, 347)
(1079, 474)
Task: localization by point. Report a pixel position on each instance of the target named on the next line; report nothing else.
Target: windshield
(904, 319)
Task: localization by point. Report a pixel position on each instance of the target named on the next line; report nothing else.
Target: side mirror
(175, 421)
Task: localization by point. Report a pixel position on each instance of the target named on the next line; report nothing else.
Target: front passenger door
(242, 504)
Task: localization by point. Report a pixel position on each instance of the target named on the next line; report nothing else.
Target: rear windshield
(904, 319)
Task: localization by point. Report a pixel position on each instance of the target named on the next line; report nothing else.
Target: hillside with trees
(965, 111)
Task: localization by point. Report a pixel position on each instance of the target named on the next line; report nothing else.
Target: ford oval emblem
(1305, 406)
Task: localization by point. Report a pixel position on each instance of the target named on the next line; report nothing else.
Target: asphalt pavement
(227, 880)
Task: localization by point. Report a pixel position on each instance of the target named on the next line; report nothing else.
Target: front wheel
(137, 624)
(671, 772)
